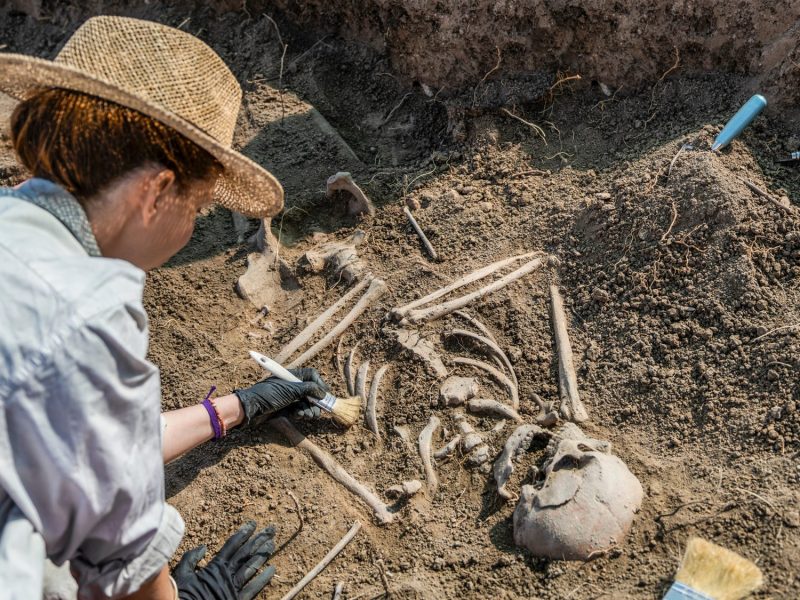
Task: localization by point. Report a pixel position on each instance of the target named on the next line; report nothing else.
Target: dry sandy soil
(682, 289)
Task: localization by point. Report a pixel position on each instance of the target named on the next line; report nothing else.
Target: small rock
(792, 519)
(486, 206)
(603, 196)
(412, 203)
(600, 296)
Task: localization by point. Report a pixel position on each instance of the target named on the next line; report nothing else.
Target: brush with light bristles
(711, 572)
(344, 411)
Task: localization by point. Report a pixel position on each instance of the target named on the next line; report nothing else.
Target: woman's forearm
(187, 428)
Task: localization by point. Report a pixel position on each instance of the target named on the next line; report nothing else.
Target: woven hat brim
(244, 186)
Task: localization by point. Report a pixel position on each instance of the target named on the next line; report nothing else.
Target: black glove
(229, 575)
(273, 394)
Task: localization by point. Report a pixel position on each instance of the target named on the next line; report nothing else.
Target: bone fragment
(505, 381)
(340, 256)
(504, 465)
(425, 241)
(495, 350)
(478, 457)
(476, 323)
(499, 426)
(571, 407)
(447, 449)
(309, 332)
(371, 415)
(425, 440)
(411, 339)
(486, 406)
(361, 380)
(469, 438)
(401, 311)
(404, 490)
(343, 181)
(337, 591)
(324, 562)
(333, 468)
(349, 376)
(376, 289)
(431, 313)
(457, 390)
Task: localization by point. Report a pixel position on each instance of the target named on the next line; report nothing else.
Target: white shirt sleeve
(85, 429)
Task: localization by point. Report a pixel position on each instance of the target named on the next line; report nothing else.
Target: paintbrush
(711, 572)
(344, 411)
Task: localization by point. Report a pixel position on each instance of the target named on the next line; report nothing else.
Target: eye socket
(566, 462)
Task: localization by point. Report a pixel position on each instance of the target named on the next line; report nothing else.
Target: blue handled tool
(740, 120)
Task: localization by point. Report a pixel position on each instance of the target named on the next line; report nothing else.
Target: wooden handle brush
(344, 411)
(711, 572)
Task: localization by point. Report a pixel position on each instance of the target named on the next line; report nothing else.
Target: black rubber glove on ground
(231, 574)
(272, 395)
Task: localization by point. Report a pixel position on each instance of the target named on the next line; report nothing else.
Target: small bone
(571, 407)
(333, 468)
(410, 339)
(437, 311)
(448, 449)
(469, 438)
(493, 407)
(361, 380)
(340, 256)
(504, 465)
(400, 312)
(338, 361)
(337, 591)
(309, 332)
(349, 376)
(425, 439)
(404, 490)
(343, 181)
(478, 457)
(499, 426)
(324, 562)
(371, 414)
(425, 241)
(495, 350)
(457, 390)
(376, 289)
(505, 381)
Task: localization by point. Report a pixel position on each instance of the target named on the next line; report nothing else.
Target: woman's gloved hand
(273, 394)
(231, 574)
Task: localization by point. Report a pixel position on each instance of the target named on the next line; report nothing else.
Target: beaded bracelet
(217, 424)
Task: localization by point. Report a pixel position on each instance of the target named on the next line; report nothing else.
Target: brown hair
(84, 143)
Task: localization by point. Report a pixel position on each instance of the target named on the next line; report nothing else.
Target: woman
(127, 133)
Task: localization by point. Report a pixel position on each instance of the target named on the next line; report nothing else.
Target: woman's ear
(160, 186)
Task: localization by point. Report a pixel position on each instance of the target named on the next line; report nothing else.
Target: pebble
(603, 196)
(486, 206)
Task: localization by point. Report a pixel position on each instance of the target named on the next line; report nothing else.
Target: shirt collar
(64, 207)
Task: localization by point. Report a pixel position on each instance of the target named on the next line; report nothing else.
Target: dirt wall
(625, 43)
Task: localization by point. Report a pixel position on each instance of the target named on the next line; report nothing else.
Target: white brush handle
(281, 372)
(680, 591)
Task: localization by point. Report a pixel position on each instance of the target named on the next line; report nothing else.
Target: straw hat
(166, 74)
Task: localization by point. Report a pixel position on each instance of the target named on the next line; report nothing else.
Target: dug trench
(682, 289)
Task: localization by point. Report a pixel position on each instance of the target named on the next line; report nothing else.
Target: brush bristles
(717, 572)
(347, 410)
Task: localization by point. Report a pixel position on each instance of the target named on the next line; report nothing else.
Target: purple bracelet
(212, 413)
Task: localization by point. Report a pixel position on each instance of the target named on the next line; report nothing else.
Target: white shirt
(80, 404)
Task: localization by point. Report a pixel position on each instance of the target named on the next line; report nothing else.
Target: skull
(585, 507)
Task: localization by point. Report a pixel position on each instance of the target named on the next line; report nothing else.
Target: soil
(682, 288)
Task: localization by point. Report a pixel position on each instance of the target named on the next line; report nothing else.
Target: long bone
(502, 378)
(477, 324)
(376, 289)
(401, 311)
(333, 468)
(309, 332)
(493, 407)
(431, 313)
(496, 351)
(425, 439)
(371, 414)
(504, 465)
(571, 407)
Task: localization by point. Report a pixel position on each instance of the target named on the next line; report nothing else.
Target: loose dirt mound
(682, 289)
